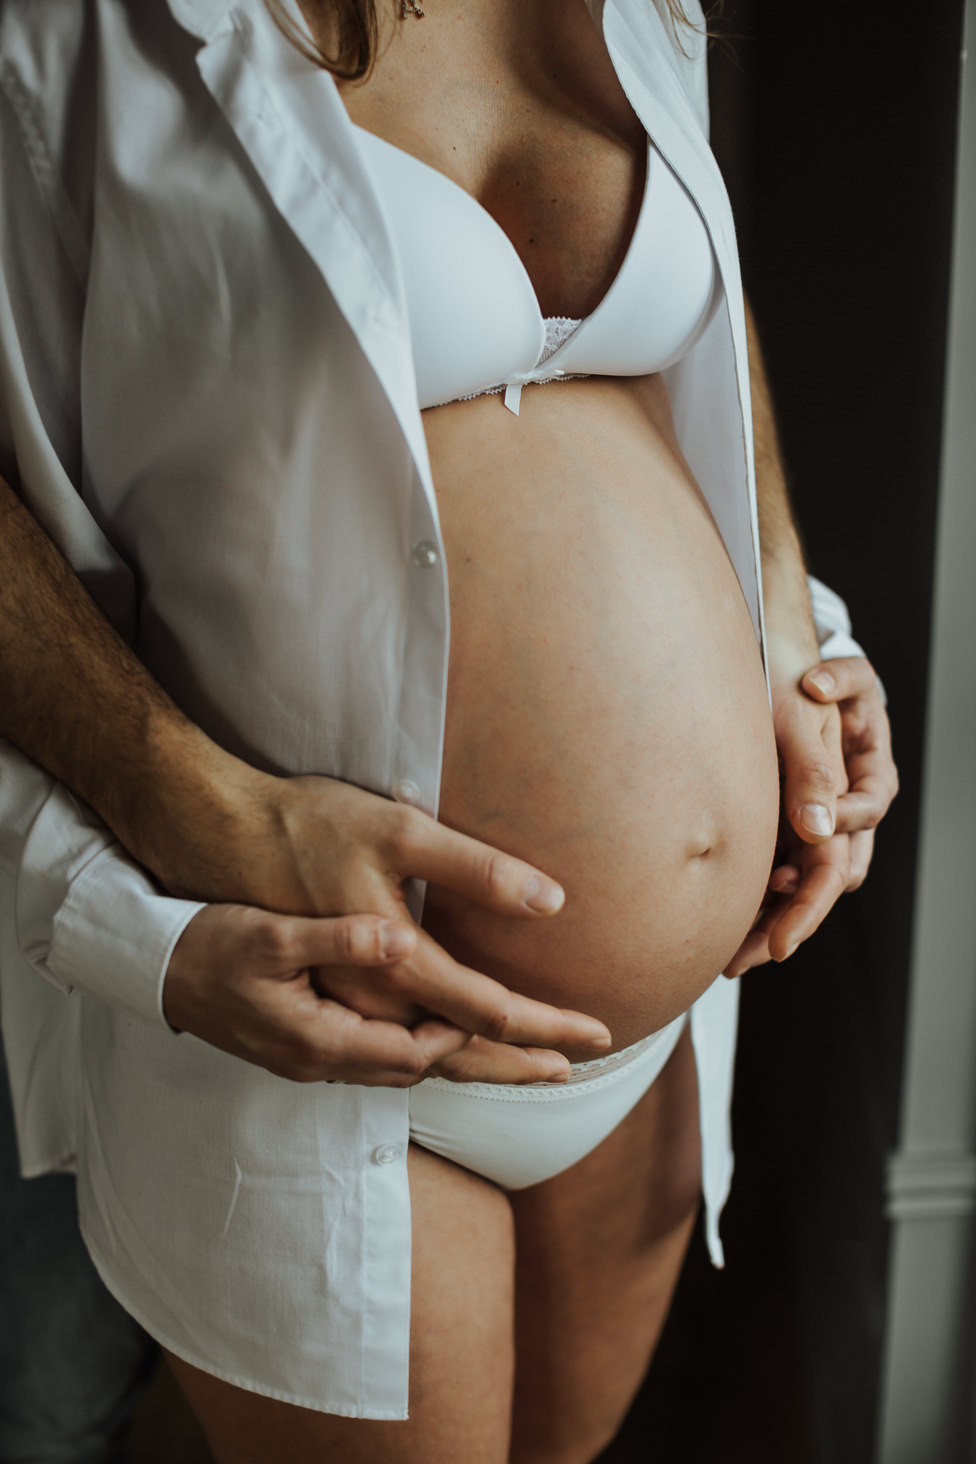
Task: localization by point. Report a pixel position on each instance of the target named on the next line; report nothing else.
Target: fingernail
(544, 896)
(599, 1040)
(823, 681)
(788, 952)
(596, 1034)
(396, 941)
(817, 819)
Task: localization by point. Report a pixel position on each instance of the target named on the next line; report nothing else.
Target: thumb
(840, 679)
(810, 778)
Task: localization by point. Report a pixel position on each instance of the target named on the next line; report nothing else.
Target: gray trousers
(72, 1362)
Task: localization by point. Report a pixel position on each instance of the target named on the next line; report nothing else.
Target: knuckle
(349, 939)
(466, 1066)
(535, 1068)
(411, 1067)
(405, 830)
(274, 938)
(497, 1025)
(819, 776)
(309, 1055)
(857, 723)
(862, 816)
(497, 873)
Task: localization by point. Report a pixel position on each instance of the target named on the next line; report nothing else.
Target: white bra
(475, 322)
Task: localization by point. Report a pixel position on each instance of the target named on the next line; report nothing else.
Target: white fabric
(518, 1136)
(559, 328)
(832, 621)
(475, 322)
(200, 311)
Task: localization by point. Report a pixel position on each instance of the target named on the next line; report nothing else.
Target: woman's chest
(520, 106)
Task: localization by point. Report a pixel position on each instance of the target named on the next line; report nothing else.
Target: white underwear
(517, 1135)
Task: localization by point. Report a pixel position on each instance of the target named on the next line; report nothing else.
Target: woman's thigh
(599, 1250)
(461, 1349)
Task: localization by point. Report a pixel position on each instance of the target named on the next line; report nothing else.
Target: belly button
(704, 838)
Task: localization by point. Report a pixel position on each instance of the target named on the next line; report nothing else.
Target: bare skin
(568, 135)
(833, 798)
(595, 1253)
(614, 1226)
(560, 738)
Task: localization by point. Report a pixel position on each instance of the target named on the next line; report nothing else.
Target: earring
(410, 7)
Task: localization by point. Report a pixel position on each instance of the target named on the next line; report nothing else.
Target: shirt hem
(159, 1335)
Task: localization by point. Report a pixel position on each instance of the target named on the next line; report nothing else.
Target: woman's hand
(211, 827)
(839, 779)
(260, 986)
(250, 982)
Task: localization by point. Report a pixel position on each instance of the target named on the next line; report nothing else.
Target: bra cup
(474, 318)
(664, 294)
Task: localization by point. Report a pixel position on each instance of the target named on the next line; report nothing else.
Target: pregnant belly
(607, 716)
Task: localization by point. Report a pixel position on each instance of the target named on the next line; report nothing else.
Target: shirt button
(424, 554)
(386, 1154)
(405, 790)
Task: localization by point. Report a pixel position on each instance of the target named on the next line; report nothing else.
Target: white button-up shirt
(208, 400)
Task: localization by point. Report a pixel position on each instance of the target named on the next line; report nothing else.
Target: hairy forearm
(76, 699)
(789, 619)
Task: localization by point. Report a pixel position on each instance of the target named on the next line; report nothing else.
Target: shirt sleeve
(85, 915)
(832, 622)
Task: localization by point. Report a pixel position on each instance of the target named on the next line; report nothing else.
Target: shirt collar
(202, 18)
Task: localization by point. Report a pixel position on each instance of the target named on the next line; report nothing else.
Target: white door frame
(929, 1375)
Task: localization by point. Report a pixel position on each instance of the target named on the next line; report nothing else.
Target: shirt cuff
(832, 621)
(833, 626)
(114, 935)
(87, 916)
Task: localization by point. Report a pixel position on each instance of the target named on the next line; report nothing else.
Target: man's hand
(259, 986)
(850, 683)
(831, 728)
(287, 993)
(839, 779)
(210, 827)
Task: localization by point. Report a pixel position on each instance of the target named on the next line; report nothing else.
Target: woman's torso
(219, 407)
(607, 715)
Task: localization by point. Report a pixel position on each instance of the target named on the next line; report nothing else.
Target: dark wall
(837, 143)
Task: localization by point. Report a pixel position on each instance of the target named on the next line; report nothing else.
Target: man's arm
(78, 701)
(791, 635)
(286, 992)
(831, 727)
